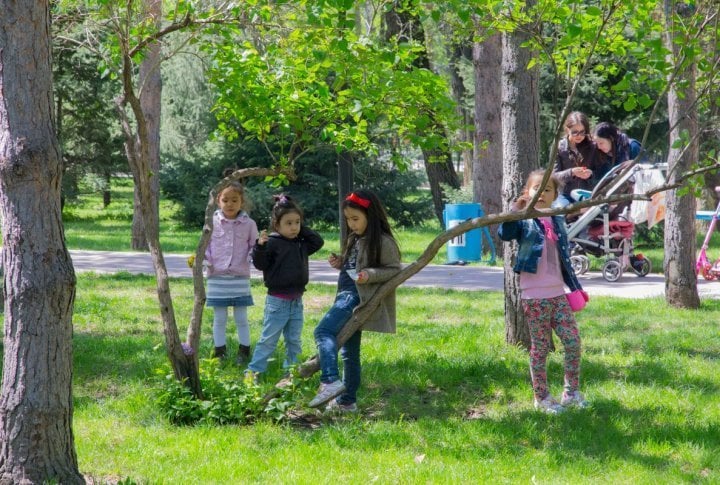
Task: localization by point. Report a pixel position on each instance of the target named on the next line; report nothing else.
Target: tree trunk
(487, 174)
(150, 101)
(36, 406)
(402, 25)
(464, 134)
(680, 277)
(521, 147)
(138, 148)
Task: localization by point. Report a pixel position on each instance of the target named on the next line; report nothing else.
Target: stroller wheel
(612, 270)
(640, 265)
(580, 263)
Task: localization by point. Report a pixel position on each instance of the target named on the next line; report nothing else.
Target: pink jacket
(229, 250)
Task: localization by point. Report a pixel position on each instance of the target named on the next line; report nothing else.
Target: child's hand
(335, 261)
(362, 277)
(263, 238)
(520, 203)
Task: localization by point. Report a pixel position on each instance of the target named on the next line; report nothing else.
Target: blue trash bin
(468, 246)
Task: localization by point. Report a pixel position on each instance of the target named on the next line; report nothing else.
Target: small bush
(226, 400)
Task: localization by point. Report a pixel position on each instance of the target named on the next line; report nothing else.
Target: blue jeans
(326, 334)
(281, 317)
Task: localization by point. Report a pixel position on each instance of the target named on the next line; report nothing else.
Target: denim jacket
(530, 233)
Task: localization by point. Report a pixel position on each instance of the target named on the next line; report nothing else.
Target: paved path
(472, 277)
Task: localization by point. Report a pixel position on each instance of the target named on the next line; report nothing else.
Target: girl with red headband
(370, 257)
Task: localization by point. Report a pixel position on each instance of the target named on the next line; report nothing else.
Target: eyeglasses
(577, 133)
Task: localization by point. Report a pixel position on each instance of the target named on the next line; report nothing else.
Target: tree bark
(150, 101)
(521, 148)
(680, 277)
(487, 171)
(39, 281)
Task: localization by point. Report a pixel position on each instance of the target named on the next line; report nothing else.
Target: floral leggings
(543, 316)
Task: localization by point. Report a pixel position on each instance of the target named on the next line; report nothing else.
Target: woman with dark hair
(616, 146)
(578, 165)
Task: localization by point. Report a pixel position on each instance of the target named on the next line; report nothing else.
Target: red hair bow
(353, 197)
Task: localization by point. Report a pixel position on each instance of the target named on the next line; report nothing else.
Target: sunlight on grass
(443, 401)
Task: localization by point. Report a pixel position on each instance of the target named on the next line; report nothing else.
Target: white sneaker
(574, 398)
(549, 405)
(327, 392)
(335, 407)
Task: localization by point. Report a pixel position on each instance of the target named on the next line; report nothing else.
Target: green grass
(443, 401)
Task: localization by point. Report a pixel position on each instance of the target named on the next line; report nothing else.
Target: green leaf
(630, 103)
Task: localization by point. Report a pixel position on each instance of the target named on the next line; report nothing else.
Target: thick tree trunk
(39, 281)
(150, 101)
(487, 174)
(521, 148)
(680, 278)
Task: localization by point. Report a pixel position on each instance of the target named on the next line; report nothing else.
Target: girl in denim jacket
(228, 269)
(543, 262)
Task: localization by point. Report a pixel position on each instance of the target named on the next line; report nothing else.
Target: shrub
(226, 400)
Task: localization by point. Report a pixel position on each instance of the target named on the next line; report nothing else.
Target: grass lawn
(443, 401)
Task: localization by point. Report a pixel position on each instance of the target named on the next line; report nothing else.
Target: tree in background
(680, 276)
(36, 406)
(402, 25)
(86, 122)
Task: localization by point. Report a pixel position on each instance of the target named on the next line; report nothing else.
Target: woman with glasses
(579, 164)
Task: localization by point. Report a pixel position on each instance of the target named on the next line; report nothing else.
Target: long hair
(578, 117)
(377, 223)
(284, 204)
(608, 131)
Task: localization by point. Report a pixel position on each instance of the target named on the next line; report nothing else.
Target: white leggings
(220, 325)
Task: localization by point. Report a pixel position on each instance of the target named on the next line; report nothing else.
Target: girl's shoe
(574, 398)
(243, 355)
(220, 352)
(326, 392)
(335, 407)
(549, 405)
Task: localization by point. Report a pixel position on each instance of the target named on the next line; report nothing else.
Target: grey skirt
(224, 291)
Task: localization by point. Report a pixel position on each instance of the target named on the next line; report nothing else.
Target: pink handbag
(577, 299)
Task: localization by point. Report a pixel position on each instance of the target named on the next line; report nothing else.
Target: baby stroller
(606, 230)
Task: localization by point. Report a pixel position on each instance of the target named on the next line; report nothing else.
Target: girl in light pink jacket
(228, 269)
